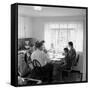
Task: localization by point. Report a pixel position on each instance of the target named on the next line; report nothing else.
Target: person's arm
(32, 57)
(72, 54)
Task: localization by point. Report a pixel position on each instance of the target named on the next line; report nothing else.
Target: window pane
(59, 34)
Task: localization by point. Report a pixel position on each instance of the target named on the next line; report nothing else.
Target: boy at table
(67, 59)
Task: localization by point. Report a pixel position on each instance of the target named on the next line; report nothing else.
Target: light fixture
(37, 8)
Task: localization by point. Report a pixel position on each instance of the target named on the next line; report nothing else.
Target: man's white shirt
(40, 56)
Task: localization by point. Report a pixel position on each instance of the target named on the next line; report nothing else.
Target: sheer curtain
(57, 35)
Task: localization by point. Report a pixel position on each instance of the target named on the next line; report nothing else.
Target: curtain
(57, 35)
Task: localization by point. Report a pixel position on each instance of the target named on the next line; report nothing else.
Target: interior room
(56, 26)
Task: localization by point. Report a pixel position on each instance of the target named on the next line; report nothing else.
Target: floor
(68, 77)
(59, 77)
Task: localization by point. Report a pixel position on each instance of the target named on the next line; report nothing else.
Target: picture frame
(24, 39)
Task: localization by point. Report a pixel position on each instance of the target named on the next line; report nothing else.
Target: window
(57, 35)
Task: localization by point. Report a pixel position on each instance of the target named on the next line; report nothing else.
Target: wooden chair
(74, 64)
(40, 71)
(36, 63)
(37, 71)
(26, 80)
(77, 60)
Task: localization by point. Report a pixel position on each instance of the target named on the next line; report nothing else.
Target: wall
(84, 49)
(24, 27)
(38, 23)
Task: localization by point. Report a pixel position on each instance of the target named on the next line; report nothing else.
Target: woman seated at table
(43, 46)
(43, 59)
(72, 52)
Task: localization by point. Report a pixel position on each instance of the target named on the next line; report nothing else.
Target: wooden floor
(68, 77)
(61, 78)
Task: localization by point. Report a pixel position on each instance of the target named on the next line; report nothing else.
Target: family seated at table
(39, 53)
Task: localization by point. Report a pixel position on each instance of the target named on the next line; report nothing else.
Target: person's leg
(47, 72)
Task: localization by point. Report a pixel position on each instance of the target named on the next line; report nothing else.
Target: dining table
(58, 67)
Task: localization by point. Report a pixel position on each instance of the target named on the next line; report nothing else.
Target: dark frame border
(14, 44)
(14, 41)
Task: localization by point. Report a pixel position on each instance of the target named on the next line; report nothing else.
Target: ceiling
(49, 11)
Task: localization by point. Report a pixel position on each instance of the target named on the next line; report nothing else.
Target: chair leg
(81, 76)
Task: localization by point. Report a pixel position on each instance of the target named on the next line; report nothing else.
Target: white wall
(84, 49)
(39, 22)
(24, 27)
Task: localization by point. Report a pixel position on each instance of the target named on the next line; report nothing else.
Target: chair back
(23, 67)
(20, 58)
(36, 63)
(77, 60)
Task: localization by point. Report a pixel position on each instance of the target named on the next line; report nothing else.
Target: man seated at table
(43, 59)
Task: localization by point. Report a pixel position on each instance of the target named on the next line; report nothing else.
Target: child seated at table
(67, 58)
(65, 52)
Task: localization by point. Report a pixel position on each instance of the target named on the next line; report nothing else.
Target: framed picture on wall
(49, 44)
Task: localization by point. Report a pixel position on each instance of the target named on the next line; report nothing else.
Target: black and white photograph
(52, 44)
